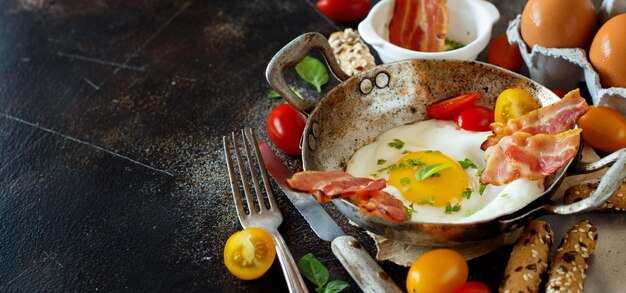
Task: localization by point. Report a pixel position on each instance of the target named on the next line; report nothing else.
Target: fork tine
(268, 189)
(255, 179)
(244, 177)
(233, 182)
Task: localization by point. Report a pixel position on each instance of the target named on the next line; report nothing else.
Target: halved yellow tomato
(249, 253)
(513, 103)
(437, 271)
(603, 128)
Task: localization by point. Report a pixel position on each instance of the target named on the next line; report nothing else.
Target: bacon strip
(551, 119)
(530, 156)
(363, 192)
(419, 25)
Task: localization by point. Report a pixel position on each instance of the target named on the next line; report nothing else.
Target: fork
(268, 219)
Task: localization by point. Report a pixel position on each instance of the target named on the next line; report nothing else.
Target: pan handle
(289, 56)
(609, 183)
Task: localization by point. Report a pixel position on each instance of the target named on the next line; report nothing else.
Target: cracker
(529, 259)
(567, 271)
(617, 202)
(351, 52)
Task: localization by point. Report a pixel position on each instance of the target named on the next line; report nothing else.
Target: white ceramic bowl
(470, 23)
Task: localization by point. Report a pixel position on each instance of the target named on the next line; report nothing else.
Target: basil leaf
(429, 170)
(275, 95)
(312, 269)
(313, 71)
(335, 286)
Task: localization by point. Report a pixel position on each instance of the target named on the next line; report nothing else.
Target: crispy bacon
(363, 192)
(551, 119)
(529, 156)
(419, 25)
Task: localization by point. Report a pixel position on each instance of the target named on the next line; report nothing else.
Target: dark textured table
(112, 176)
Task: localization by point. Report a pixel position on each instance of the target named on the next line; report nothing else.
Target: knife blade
(360, 265)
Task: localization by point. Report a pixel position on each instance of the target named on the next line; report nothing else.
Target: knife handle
(361, 266)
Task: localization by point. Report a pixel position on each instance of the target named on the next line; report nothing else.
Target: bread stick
(351, 52)
(617, 202)
(567, 271)
(529, 259)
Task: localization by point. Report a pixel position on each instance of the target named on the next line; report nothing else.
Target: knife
(360, 265)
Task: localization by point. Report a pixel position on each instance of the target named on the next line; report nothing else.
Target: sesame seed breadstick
(617, 202)
(567, 271)
(529, 259)
(351, 52)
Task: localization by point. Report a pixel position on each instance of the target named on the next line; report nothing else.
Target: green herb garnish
(381, 161)
(433, 152)
(313, 71)
(396, 143)
(342, 163)
(467, 193)
(478, 172)
(430, 201)
(481, 189)
(405, 181)
(405, 152)
(429, 170)
(275, 95)
(452, 209)
(411, 211)
(453, 45)
(504, 195)
(312, 269)
(467, 163)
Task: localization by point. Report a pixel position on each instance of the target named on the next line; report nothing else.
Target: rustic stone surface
(111, 118)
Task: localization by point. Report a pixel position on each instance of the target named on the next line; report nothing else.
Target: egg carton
(565, 68)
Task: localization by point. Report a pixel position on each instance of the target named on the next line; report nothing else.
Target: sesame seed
(590, 235)
(620, 195)
(525, 277)
(581, 230)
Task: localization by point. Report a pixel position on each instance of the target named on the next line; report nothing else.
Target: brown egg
(558, 23)
(608, 52)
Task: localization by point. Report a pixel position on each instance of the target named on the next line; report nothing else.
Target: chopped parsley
(433, 152)
(405, 152)
(411, 211)
(467, 193)
(402, 165)
(428, 171)
(381, 161)
(405, 181)
(396, 143)
(452, 209)
(467, 163)
(504, 195)
(478, 172)
(481, 189)
(342, 163)
(429, 201)
(453, 45)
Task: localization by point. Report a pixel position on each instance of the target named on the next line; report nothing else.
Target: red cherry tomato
(285, 126)
(475, 118)
(559, 93)
(450, 108)
(472, 287)
(344, 10)
(503, 54)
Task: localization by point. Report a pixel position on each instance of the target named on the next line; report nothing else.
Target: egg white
(458, 144)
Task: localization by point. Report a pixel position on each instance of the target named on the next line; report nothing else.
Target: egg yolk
(443, 187)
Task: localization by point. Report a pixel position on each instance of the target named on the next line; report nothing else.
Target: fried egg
(433, 167)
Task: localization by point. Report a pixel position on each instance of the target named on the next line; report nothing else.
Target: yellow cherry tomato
(603, 128)
(513, 103)
(249, 253)
(437, 271)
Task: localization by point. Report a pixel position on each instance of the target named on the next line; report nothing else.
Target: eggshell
(558, 23)
(608, 52)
